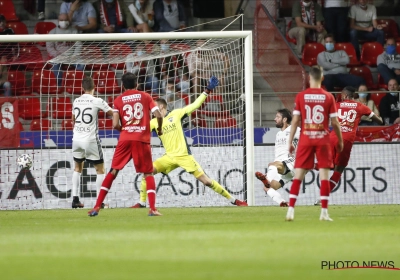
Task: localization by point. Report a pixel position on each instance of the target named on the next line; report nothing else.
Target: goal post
(215, 132)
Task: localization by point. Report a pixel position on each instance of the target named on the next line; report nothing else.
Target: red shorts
(341, 159)
(305, 156)
(140, 152)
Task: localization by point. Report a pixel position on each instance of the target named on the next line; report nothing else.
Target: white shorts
(286, 178)
(87, 151)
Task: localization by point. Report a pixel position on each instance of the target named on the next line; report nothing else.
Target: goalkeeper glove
(212, 83)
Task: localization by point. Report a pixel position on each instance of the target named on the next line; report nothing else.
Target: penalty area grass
(198, 243)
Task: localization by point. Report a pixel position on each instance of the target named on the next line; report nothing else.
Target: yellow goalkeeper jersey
(173, 138)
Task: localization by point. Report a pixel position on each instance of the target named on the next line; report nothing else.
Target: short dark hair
(316, 73)
(350, 91)
(162, 101)
(87, 84)
(128, 80)
(286, 114)
(330, 35)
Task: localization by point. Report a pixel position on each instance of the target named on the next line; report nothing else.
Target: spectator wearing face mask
(55, 49)
(334, 64)
(143, 14)
(81, 15)
(390, 105)
(389, 62)
(364, 98)
(114, 17)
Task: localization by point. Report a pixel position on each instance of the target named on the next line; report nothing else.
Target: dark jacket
(160, 23)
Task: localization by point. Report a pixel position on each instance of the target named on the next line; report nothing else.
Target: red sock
(294, 192)
(105, 187)
(324, 191)
(334, 180)
(151, 191)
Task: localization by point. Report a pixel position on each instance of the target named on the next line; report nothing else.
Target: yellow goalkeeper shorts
(166, 164)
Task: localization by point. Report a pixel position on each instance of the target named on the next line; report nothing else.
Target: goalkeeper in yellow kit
(177, 152)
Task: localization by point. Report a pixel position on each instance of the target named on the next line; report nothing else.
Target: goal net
(44, 82)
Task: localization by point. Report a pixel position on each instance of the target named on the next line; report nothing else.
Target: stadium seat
(42, 124)
(398, 47)
(60, 108)
(310, 53)
(365, 72)
(225, 122)
(72, 81)
(370, 52)
(44, 82)
(8, 10)
(43, 27)
(18, 83)
(351, 52)
(120, 51)
(20, 126)
(18, 27)
(106, 83)
(391, 29)
(31, 57)
(93, 53)
(376, 97)
(67, 125)
(105, 124)
(198, 122)
(381, 82)
(29, 108)
(290, 40)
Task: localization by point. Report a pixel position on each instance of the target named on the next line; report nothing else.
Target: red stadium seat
(381, 82)
(18, 83)
(376, 97)
(44, 82)
(391, 29)
(351, 52)
(18, 27)
(44, 27)
(31, 57)
(370, 52)
(29, 108)
(67, 125)
(225, 122)
(310, 53)
(199, 122)
(106, 83)
(398, 47)
(72, 81)
(8, 10)
(121, 51)
(105, 124)
(42, 124)
(290, 40)
(365, 72)
(60, 108)
(93, 54)
(21, 127)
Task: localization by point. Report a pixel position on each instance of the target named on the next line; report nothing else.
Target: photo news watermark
(335, 265)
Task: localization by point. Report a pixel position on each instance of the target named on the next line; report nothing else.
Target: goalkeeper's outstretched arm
(212, 84)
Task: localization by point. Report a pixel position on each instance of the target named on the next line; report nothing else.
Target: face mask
(137, 5)
(391, 49)
(63, 24)
(140, 53)
(306, 4)
(169, 91)
(164, 47)
(362, 95)
(329, 47)
(394, 93)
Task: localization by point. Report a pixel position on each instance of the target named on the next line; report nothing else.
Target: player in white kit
(281, 171)
(85, 142)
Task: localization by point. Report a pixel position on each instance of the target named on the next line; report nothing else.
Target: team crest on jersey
(171, 119)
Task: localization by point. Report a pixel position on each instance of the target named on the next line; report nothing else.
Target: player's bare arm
(116, 121)
(376, 119)
(159, 117)
(110, 113)
(293, 129)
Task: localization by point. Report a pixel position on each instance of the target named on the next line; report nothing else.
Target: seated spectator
(8, 50)
(364, 26)
(143, 14)
(55, 49)
(113, 17)
(389, 62)
(184, 83)
(364, 98)
(390, 105)
(307, 23)
(4, 83)
(169, 15)
(335, 14)
(334, 64)
(81, 15)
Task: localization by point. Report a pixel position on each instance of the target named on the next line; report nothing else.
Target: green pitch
(198, 243)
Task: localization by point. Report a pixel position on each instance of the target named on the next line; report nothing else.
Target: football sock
(294, 192)
(105, 187)
(276, 196)
(143, 192)
(151, 191)
(324, 191)
(272, 173)
(220, 190)
(76, 179)
(99, 181)
(335, 178)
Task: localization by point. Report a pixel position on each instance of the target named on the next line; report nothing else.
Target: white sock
(272, 173)
(76, 182)
(275, 196)
(232, 199)
(324, 211)
(99, 181)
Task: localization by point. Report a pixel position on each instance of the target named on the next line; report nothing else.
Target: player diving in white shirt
(85, 142)
(281, 171)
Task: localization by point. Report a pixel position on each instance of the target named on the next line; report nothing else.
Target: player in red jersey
(314, 108)
(132, 117)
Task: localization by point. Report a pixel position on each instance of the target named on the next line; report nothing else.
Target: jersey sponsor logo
(318, 98)
(81, 129)
(134, 128)
(315, 134)
(132, 97)
(168, 128)
(348, 105)
(313, 126)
